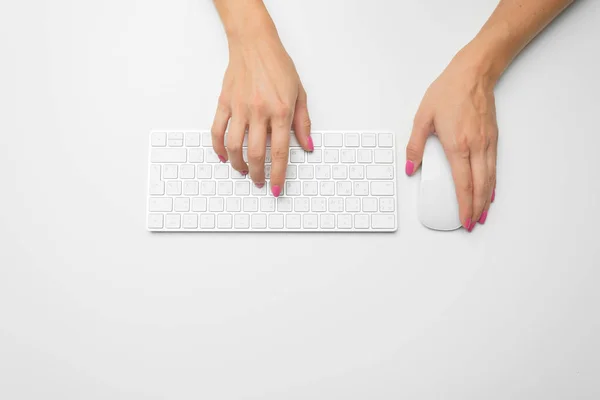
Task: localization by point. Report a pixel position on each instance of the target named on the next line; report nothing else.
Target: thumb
(301, 122)
(422, 128)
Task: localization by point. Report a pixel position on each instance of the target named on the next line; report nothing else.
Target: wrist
(246, 21)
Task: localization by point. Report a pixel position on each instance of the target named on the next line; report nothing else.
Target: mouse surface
(437, 203)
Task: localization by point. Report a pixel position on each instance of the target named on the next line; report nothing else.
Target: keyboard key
(333, 139)
(293, 221)
(294, 141)
(339, 172)
(155, 221)
(323, 172)
(267, 204)
(267, 171)
(327, 188)
(224, 221)
(336, 204)
(317, 139)
(216, 204)
(170, 171)
(158, 139)
(168, 155)
(311, 188)
(365, 156)
(387, 204)
(380, 172)
(291, 172)
(233, 204)
(256, 191)
(182, 204)
(206, 139)
(276, 221)
(352, 140)
(186, 171)
(284, 204)
(225, 188)
(314, 157)
(384, 156)
(361, 221)
(386, 140)
(199, 204)
(259, 221)
(383, 221)
(196, 155)
(296, 156)
(154, 174)
(208, 188)
(352, 204)
(369, 140)
(173, 221)
(332, 156)
(348, 155)
(190, 188)
(241, 221)
(236, 174)
(157, 188)
(207, 221)
(369, 204)
(310, 221)
(204, 171)
(174, 188)
(301, 204)
(382, 188)
(318, 204)
(293, 188)
(344, 221)
(357, 172)
(250, 204)
(361, 188)
(190, 221)
(306, 172)
(221, 171)
(211, 156)
(192, 139)
(242, 188)
(344, 188)
(327, 221)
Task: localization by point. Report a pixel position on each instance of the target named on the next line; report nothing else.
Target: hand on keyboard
(261, 91)
(460, 105)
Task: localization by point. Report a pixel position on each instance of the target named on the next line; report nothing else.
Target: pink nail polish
(410, 167)
(244, 173)
(472, 226)
(311, 145)
(483, 217)
(222, 158)
(276, 190)
(467, 224)
(260, 185)
(493, 195)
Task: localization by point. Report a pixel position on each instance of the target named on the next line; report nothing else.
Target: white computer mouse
(437, 203)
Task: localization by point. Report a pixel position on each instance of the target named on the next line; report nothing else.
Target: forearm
(513, 24)
(245, 20)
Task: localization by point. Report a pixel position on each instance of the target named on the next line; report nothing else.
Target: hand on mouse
(261, 91)
(459, 108)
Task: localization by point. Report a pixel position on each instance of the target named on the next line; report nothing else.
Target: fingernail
(493, 195)
(222, 158)
(472, 226)
(244, 173)
(311, 145)
(276, 190)
(410, 167)
(483, 217)
(260, 185)
(467, 223)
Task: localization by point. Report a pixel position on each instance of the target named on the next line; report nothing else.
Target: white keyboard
(348, 183)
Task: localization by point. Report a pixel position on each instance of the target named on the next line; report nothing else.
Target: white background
(94, 307)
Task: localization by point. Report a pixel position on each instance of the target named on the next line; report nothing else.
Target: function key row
(331, 139)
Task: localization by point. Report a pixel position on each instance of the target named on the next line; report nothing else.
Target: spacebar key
(168, 155)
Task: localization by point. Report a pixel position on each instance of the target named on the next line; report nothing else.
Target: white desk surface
(94, 307)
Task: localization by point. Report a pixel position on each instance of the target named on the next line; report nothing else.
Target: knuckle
(257, 107)
(461, 145)
(282, 111)
(465, 186)
(256, 156)
(234, 148)
(279, 154)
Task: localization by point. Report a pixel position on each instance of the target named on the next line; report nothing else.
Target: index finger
(280, 143)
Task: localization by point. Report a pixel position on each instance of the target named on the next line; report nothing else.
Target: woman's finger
(280, 143)
(218, 129)
(235, 141)
(257, 143)
(481, 192)
(460, 163)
